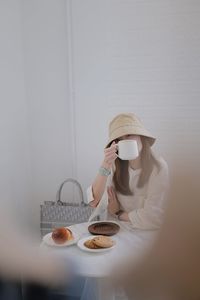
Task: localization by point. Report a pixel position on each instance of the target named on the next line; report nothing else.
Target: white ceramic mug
(127, 149)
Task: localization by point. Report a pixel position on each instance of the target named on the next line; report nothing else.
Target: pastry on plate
(61, 235)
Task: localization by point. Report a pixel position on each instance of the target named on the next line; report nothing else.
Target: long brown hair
(121, 174)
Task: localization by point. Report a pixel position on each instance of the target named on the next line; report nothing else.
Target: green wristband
(104, 172)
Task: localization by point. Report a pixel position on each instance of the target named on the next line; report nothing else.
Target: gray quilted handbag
(58, 214)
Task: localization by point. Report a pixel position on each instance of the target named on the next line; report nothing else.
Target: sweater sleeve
(150, 216)
(101, 208)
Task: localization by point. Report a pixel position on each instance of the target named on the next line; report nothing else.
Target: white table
(98, 265)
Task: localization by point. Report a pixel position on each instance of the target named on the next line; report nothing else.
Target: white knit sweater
(145, 208)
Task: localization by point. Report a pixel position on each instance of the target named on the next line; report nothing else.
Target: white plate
(81, 245)
(50, 242)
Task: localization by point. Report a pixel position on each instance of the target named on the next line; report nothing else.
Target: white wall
(47, 85)
(140, 56)
(36, 123)
(15, 173)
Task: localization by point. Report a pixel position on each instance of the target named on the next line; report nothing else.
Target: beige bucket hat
(127, 123)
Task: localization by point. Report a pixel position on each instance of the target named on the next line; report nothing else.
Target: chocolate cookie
(90, 244)
(103, 241)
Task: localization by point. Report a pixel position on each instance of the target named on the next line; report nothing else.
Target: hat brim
(124, 130)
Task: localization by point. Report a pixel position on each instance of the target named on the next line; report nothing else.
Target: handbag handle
(58, 195)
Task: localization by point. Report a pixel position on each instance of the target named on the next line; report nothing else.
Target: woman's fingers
(110, 160)
(111, 157)
(110, 154)
(111, 194)
(113, 204)
(108, 191)
(93, 203)
(111, 190)
(112, 148)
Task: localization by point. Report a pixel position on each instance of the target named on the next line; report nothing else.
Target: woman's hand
(94, 203)
(113, 203)
(109, 156)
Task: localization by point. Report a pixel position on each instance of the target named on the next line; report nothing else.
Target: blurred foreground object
(172, 269)
(21, 256)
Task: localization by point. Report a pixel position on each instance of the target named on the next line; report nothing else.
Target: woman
(130, 190)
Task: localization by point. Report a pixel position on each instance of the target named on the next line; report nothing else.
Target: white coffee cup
(127, 149)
